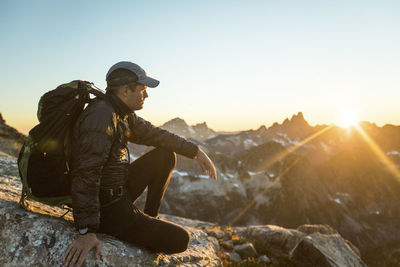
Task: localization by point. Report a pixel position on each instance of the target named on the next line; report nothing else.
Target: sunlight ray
(293, 148)
(254, 201)
(270, 162)
(379, 152)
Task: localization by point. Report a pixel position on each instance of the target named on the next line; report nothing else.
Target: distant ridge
(10, 139)
(199, 131)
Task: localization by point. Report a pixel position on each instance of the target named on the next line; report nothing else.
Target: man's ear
(124, 90)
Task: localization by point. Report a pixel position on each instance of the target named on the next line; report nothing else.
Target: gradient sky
(234, 64)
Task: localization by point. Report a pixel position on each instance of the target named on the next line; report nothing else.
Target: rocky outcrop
(324, 250)
(10, 139)
(39, 237)
(269, 245)
(324, 247)
(33, 239)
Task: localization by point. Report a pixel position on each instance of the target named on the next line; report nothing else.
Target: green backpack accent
(43, 159)
(26, 194)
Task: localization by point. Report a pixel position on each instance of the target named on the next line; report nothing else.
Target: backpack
(44, 156)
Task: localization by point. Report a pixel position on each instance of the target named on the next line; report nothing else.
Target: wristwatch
(83, 231)
(86, 230)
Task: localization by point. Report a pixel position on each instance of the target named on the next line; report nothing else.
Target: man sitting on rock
(105, 184)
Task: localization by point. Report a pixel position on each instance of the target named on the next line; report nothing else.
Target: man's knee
(181, 241)
(167, 237)
(168, 157)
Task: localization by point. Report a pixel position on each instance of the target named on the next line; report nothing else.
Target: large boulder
(270, 237)
(324, 250)
(34, 239)
(318, 245)
(39, 237)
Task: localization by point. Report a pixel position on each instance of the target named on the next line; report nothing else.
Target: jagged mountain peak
(202, 125)
(297, 119)
(262, 129)
(176, 121)
(199, 131)
(296, 127)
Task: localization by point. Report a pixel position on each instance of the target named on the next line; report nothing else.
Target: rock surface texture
(33, 239)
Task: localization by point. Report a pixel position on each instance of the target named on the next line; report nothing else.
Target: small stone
(227, 244)
(233, 256)
(227, 236)
(186, 258)
(163, 261)
(263, 259)
(246, 250)
(217, 234)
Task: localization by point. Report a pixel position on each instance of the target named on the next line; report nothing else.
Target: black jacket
(99, 152)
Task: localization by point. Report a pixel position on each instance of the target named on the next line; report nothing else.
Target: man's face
(135, 97)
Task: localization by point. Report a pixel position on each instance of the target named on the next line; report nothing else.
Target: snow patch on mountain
(249, 143)
(337, 200)
(180, 173)
(191, 130)
(325, 146)
(280, 141)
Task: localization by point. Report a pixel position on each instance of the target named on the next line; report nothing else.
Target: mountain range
(289, 174)
(293, 173)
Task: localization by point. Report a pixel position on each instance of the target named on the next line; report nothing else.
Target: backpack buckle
(119, 191)
(110, 191)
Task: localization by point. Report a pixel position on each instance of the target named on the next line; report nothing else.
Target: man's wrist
(86, 230)
(197, 153)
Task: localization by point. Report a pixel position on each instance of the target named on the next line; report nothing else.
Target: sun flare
(348, 118)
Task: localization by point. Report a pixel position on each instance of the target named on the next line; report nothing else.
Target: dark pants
(126, 222)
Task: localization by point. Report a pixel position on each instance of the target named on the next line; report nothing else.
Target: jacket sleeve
(94, 136)
(144, 133)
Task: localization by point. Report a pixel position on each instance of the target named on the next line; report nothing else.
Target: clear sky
(234, 64)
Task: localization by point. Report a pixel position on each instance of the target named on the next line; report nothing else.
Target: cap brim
(150, 82)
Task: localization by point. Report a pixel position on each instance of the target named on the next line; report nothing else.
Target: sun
(348, 118)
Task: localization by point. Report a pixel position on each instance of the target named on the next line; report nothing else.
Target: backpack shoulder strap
(96, 91)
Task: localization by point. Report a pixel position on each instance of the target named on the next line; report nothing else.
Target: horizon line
(25, 130)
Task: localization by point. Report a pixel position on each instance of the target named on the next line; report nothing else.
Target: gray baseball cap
(141, 76)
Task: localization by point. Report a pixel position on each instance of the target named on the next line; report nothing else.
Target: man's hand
(206, 164)
(77, 251)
